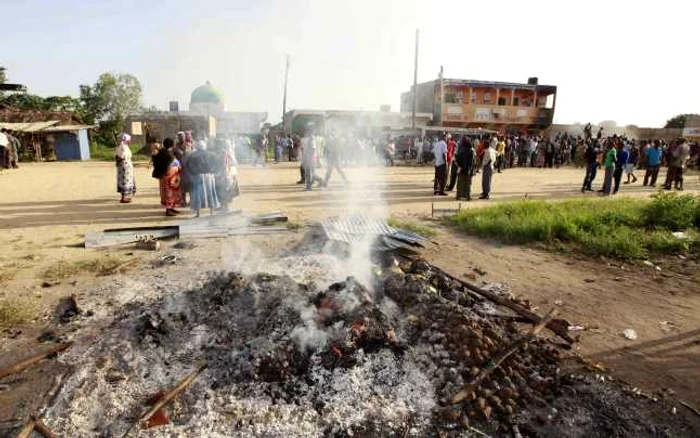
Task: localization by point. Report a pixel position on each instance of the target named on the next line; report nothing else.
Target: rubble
(291, 359)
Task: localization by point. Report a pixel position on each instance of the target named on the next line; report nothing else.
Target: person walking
(500, 154)
(623, 156)
(488, 162)
(308, 160)
(653, 155)
(609, 165)
(465, 158)
(452, 164)
(440, 152)
(126, 183)
(682, 156)
(591, 157)
(333, 159)
(632, 162)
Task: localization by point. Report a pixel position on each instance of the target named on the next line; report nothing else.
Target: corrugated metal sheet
(359, 228)
(65, 128)
(28, 127)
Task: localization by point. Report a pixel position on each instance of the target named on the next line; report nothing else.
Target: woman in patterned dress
(126, 184)
(166, 168)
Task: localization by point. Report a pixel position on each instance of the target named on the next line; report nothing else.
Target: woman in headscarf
(202, 166)
(166, 168)
(126, 184)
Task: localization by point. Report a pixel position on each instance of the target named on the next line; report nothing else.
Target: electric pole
(284, 99)
(415, 84)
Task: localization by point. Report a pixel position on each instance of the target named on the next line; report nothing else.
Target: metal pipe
(415, 84)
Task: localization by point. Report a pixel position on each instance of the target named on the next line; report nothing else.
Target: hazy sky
(629, 61)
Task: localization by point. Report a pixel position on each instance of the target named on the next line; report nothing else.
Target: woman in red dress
(166, 168)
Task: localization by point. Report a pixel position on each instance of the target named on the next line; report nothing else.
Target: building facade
(502, 106)
(359, 122)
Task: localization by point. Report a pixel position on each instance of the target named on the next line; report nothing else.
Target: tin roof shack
(145, 128)
(70, 142)
(38, 131)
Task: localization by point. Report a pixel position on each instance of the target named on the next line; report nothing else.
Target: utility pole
(442, 95)
(284, 99)
(415, 84)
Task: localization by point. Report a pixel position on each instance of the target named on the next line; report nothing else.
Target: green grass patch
(101, 265)
(101, 152)
(15, 311)
(411, 226)
(621, 228)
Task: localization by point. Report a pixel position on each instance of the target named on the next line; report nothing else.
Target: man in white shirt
(4, 148)
(488, 162)
(440, 152)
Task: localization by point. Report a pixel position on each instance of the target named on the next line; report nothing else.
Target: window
(516, 101)
(501, 101)
(472, 97)
(487, 97)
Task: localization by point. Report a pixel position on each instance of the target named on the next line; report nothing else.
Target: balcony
(480, 113)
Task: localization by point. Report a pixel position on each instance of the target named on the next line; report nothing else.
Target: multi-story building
(501, 106)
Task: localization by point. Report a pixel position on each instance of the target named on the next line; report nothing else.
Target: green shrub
(672, 212)
(621, 228)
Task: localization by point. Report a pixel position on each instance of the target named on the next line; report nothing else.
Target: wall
(72, 146)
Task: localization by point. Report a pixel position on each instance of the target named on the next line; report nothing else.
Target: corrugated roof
(28, 127)
(360, 228)
(64, 128)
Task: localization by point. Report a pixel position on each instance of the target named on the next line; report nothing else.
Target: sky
(627, 61)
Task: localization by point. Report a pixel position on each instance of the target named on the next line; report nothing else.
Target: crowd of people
(200, 174)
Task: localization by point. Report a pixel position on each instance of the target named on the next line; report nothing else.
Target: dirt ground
(47, 208)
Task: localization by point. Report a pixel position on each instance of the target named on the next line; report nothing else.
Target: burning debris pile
(286, 359)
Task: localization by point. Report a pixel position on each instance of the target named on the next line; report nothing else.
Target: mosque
(208, 101)
(207, 115)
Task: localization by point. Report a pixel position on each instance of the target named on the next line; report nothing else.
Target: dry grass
(294, 225)
(7, 274)
(411, 226)
(14, 311)
(99, 265)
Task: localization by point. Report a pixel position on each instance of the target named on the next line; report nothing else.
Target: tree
(3, 76)
(678, 121)
(109, 101)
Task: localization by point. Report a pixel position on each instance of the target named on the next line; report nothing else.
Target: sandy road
(46, 209)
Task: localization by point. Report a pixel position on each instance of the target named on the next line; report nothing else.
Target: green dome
(207, 94)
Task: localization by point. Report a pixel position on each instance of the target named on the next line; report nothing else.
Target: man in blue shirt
(623, 156)
(653, 163)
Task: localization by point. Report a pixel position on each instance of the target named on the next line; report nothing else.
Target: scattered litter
(618, 279)
(150, 244)
(589, 280)
(12, 333)
(575, 328)
(185, 245)
(658, 268)
(480, 271)
(46, 284)
(648, 263)
(559, 303)
(67, 309)
(673, 411)
(679, 235)
(630, 334)
(470, 275)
